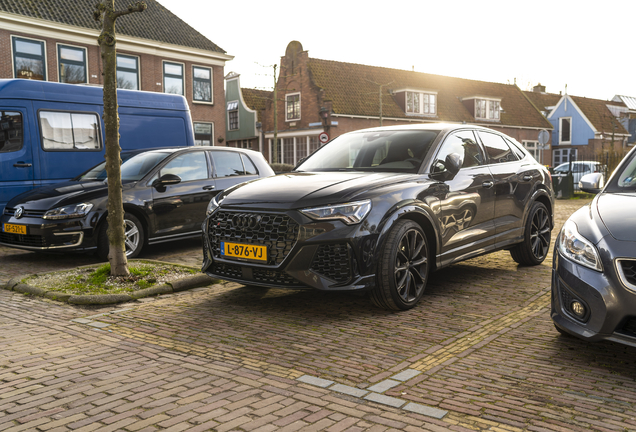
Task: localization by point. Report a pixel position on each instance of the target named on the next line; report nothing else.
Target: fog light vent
(573, 305)
(577, 308)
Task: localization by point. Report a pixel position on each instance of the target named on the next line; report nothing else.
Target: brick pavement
(479, 351)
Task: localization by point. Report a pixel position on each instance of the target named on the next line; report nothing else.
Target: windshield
(392, 151)
(133, 168)
(625, 180)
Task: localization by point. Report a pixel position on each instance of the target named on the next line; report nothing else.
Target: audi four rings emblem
(18, 212)
(243, 221)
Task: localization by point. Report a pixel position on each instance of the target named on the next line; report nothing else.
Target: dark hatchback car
(378, 209)
(165, 193)
(594, 266)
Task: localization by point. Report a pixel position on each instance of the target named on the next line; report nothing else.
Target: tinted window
(497, 148)
(250, 169)
(516, 148)
(10, 131)
(462, 143)
(227, 164)
(188, 166)
(134, 167)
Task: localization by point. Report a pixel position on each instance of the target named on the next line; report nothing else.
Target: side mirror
(448, 168)
(166, 180)
(592, 183)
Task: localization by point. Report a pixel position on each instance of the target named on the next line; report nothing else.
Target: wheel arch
(143, 218)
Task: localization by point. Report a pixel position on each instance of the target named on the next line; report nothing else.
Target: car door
(514, 179)
(16, 157)
(231, 167)
(180, 208)
(468, 202)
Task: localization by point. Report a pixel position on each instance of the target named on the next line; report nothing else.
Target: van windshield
(133, 168)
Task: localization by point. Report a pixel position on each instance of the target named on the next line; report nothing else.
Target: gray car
(594, 266)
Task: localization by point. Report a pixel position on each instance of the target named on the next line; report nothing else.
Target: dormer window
(420, 103)
(487, 109)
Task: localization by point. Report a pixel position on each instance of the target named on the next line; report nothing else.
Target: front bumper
(301, 253)
(610, 306)
(44, 235)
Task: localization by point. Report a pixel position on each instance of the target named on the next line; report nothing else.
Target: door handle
(209, 187)
(527, 177)
(487, 184)
(22, 165)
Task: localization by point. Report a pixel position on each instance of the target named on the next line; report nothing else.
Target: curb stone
(197, 281)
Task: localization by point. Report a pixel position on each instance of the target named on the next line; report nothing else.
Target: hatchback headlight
(68, 212)
(349, 213)
(577, 248)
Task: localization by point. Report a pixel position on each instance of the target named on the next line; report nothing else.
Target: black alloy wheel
(403, 269)
(537, 234)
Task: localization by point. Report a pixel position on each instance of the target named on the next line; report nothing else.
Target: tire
(135, 238)
(403, 268)
(536, 237)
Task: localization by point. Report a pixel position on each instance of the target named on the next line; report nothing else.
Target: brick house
(335, 97)
(157, 51)
(583, 127)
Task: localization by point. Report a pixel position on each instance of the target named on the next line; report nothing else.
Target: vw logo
(243, 221)
(18, 212)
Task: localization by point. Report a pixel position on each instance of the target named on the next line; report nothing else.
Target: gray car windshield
(133, 168)
(381, 151)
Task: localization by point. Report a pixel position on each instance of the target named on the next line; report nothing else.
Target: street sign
(323, 137)
(544, 136)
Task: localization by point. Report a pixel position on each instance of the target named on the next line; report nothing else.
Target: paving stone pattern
(479, 351)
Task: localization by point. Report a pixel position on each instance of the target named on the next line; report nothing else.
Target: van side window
(69, 131)
(10, 131)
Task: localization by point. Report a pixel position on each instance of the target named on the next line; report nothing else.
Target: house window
(421, 103)
(288, 151)
(28, 59)
(314, 144)
(292, 107)
(173, 78)
(203, 133)
(232, 115)
(69, 131)
(533, 148)
(565, 130)
(560, 156)
(202, 84)
(486, 109)
(72, 63)
(127, 72)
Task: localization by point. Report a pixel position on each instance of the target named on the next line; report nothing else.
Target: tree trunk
(116, 231)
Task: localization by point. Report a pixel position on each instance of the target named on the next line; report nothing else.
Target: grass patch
(97, 279)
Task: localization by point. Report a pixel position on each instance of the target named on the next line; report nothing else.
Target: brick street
(479, 352)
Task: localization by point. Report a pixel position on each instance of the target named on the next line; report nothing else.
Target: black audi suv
(378, 209)
(165, 193)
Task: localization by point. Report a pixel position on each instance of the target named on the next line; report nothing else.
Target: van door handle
(210, 187)
(22, 165)
(487, 184)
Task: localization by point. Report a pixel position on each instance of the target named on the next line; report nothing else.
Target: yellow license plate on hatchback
(14, 229)
(246, 251)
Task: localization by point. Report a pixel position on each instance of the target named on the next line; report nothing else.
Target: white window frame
(238, 117)
(534, 148)
(59, 60)
(46, 61)
(194, 123)
(561, 130)
(423, 103)
(491, 108)
(211, 101)
(163, 76)
(138, 70)
(286, 106)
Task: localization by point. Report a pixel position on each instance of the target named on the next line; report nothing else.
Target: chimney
(538, 88)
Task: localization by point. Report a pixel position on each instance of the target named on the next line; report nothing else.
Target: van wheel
(536, 237)
(135, 238)
(403, 268)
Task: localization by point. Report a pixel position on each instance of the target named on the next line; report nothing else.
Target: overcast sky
(582, 44)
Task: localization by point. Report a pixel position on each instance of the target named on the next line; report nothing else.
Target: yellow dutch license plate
(15, 229)
(246, 251)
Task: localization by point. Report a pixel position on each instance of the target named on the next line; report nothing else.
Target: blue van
(51, 132)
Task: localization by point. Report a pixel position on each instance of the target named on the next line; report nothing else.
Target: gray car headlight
(577, 248)
(68, 212)
(349, 213)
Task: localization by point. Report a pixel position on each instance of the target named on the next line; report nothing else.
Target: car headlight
(213, 204)
(349, 213)
(577, 248)
(68, 212)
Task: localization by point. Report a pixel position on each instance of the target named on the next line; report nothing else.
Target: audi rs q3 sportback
(378, 209)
